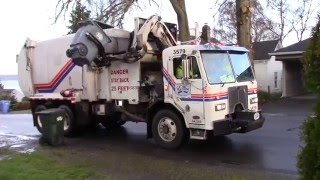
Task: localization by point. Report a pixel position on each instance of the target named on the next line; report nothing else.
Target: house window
(275, 79)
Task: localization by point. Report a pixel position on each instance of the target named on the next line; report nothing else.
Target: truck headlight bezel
(220, 107)
(253, 100)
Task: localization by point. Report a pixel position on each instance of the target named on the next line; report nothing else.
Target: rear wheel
(36, 118)
(113, 121)
(168, 129)
(69, 126)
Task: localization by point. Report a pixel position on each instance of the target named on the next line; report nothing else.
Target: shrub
(267, 97)
(309, 156)
(23, 105)
(24, 99)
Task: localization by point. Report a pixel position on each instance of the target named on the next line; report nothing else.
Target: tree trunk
(179, 7)
(244, 25)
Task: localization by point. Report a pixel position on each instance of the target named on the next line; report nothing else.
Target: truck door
(189, 95)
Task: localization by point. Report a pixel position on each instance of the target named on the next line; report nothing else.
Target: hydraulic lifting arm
(160, 33)
(91, 43)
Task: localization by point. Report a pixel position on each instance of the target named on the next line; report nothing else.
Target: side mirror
(185, 68)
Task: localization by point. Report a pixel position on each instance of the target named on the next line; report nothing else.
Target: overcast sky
(34, 19)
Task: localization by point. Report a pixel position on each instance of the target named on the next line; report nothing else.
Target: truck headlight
(254, 100)
(220, 107)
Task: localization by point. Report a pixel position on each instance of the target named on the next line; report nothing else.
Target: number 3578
(179, 51)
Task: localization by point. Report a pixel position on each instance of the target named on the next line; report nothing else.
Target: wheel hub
(167, 129)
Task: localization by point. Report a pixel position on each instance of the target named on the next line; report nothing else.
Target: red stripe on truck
(56, 78)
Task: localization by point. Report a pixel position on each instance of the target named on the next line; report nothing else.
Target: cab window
(177, 67)
(194, 68)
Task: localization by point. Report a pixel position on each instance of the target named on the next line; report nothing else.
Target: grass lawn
(70, 163)
(21, 112)
(42, 165)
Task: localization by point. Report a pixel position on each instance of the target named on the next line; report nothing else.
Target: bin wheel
(36, 118)
(168, 129)
(69, 126)
(113, 121)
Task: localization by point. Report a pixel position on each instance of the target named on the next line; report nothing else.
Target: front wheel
(168, 129)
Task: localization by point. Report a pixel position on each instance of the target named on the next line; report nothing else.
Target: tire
(168, 129)
(36, 118)
(69, 123)
(113, 121)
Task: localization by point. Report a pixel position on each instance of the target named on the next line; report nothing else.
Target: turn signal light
(165, 87)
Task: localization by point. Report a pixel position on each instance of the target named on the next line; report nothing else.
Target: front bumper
(242, 122)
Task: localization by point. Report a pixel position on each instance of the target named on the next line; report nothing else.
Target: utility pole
(244, 13)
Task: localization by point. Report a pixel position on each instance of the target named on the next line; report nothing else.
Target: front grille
(238, 95)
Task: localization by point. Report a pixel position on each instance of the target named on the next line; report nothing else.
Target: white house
(268, 71)
(11, 86)
(292, 59)
(13, 92)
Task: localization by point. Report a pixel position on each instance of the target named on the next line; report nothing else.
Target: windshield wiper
(244, 78)
(222, 83)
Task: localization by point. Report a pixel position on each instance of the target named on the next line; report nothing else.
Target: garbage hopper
(52, 121)
(5, 105)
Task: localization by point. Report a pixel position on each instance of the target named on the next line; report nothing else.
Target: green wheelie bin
(52, 121)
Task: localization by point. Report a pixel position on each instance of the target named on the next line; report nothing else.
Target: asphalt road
(273, 148)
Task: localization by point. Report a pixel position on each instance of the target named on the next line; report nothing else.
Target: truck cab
(217, 91)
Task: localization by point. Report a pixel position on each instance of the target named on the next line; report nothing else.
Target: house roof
(6, 90)
(299, 46)
(293, 52)
(262, 48)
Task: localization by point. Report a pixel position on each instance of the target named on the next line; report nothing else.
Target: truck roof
(211, 47)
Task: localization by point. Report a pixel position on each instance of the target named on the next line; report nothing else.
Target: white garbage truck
(110, 76)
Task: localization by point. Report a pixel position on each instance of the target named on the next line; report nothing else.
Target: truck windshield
(241, 66)
(218, 67)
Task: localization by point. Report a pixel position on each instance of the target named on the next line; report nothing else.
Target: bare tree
(262, 27)
(114, 11)
(109, 11)
(179, 7)
(226, 27)
(283, 17)
(304, 14)
(244, 13)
